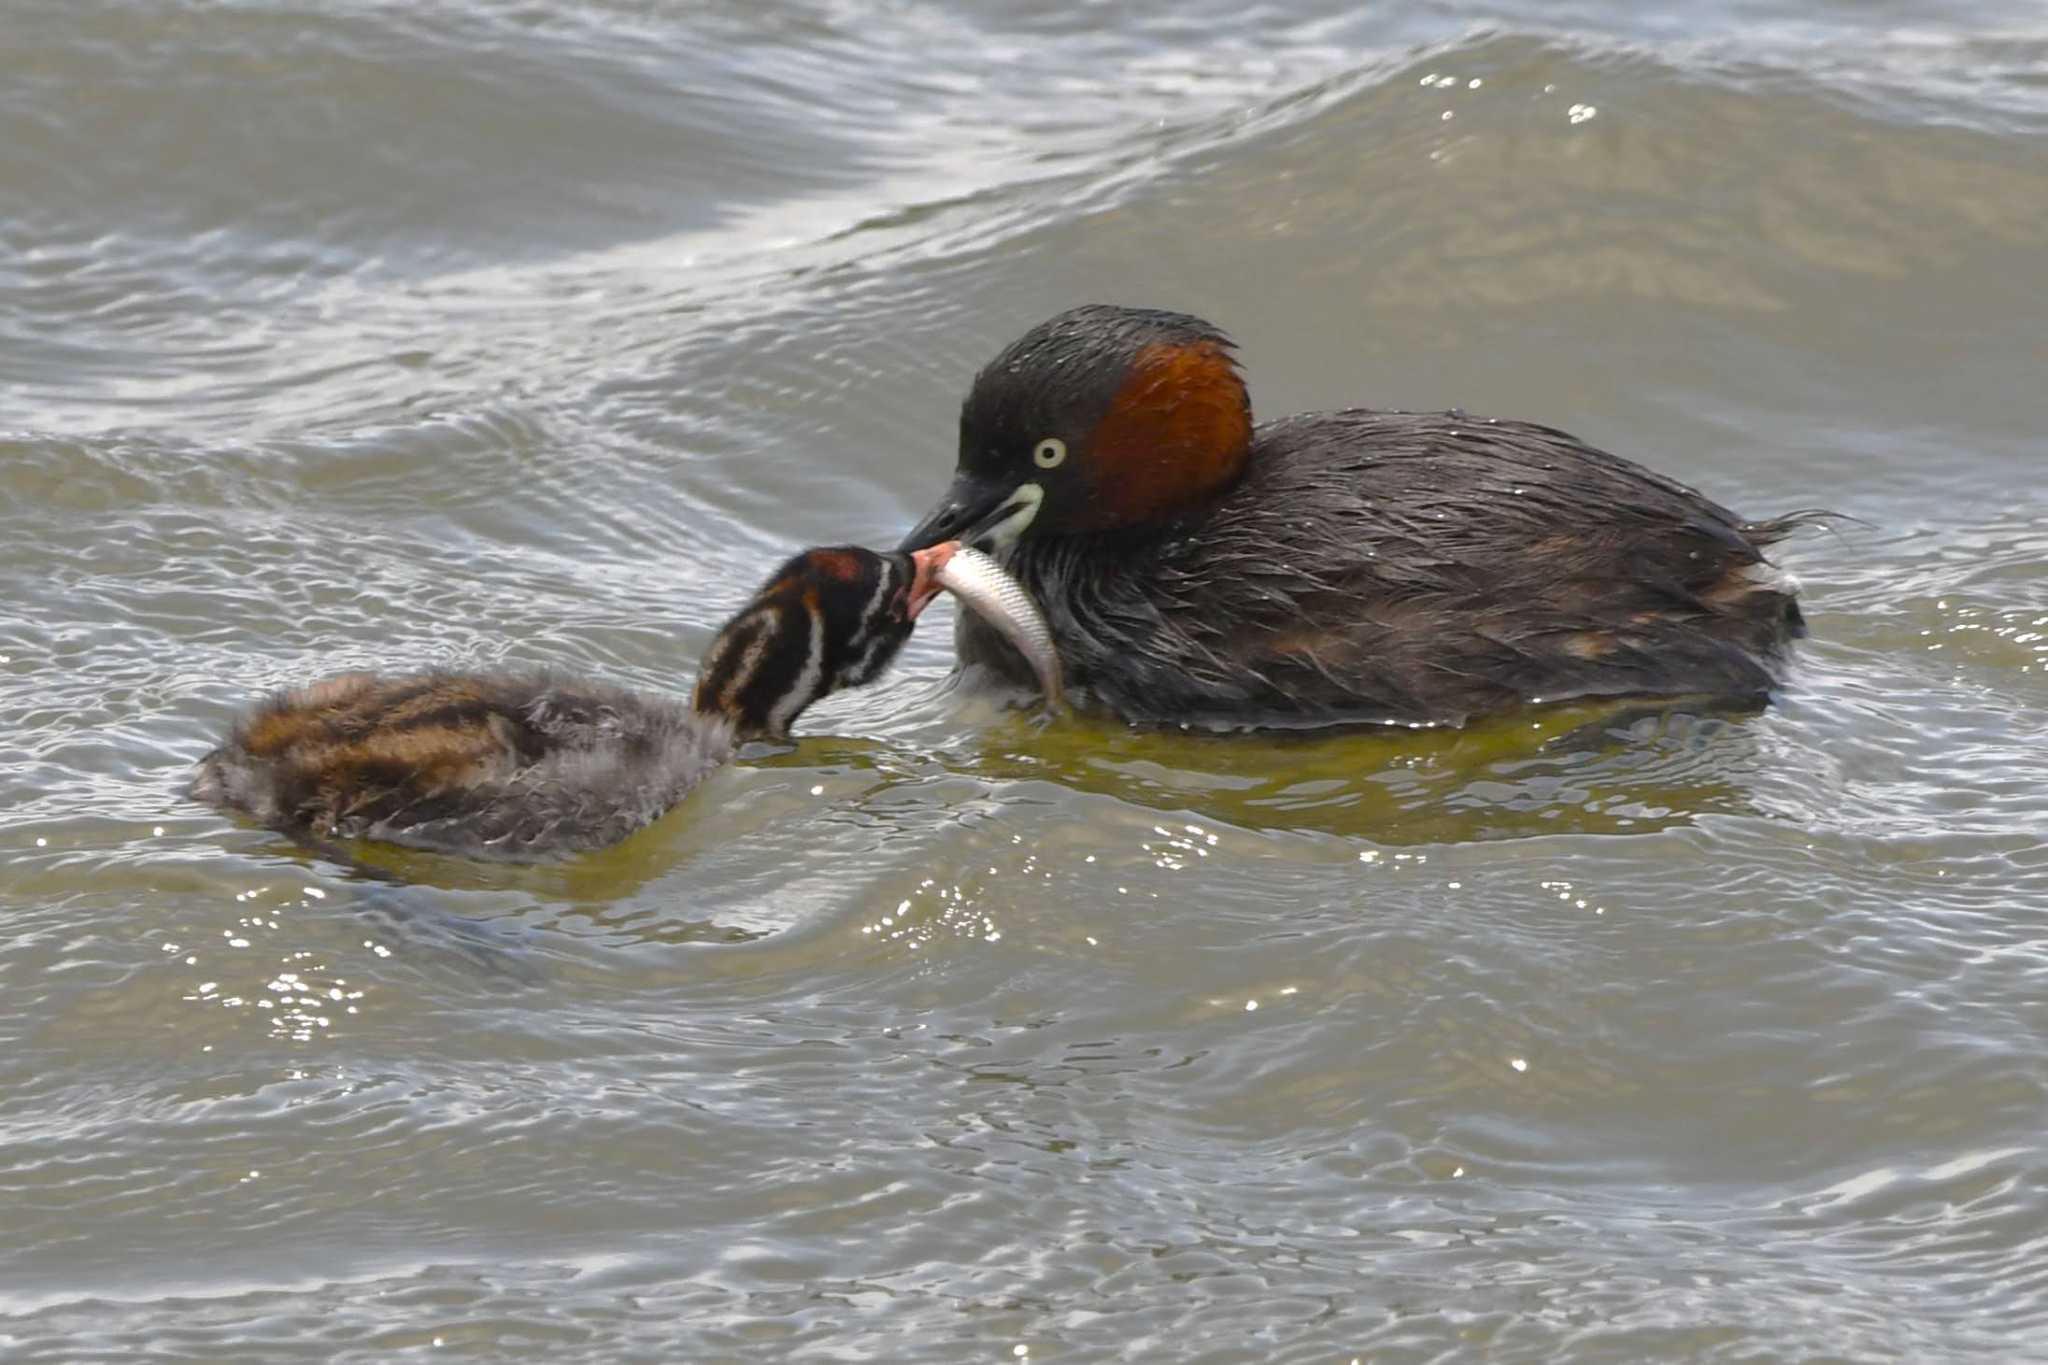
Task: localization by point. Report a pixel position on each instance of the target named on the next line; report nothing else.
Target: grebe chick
(526, 767)
(1334, 567)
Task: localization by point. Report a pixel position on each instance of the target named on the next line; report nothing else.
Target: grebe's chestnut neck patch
(1177, 433)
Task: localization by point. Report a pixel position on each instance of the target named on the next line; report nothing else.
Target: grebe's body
(530, 767)
(1355, 566)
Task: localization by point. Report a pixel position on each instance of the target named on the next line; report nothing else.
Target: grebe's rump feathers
(518, 767)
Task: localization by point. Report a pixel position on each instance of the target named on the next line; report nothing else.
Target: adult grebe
(1339, 566)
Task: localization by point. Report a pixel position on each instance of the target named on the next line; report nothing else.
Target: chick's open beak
(924, 586)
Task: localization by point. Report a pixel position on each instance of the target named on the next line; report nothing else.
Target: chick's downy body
(503, 766)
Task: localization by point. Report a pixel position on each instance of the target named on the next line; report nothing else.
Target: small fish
(1001, 600)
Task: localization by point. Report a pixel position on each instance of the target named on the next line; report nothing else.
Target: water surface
(482, 333)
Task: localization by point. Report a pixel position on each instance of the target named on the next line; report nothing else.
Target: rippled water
(379, 333)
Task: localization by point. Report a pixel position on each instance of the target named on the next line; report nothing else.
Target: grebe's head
(826, 620)
(1098, 419)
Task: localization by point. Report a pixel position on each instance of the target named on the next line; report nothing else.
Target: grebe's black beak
(986, 515)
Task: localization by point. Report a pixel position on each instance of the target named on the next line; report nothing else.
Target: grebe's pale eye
(1050, 453)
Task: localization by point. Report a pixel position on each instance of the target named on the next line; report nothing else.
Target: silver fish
(1001, 601)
